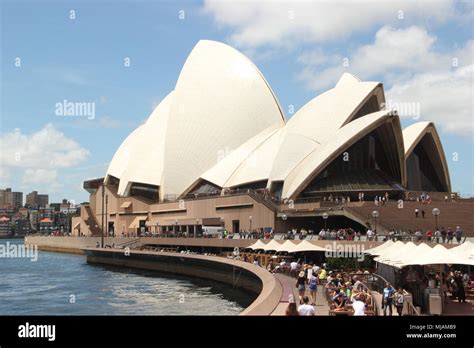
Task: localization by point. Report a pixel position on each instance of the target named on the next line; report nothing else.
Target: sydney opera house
(218, 151)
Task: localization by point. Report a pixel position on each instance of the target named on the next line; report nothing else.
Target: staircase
(391, 217)
(92, 222)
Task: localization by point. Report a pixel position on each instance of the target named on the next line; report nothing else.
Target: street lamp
(436, 212)
(250, 220)
(106, 216)
(375, 215)
(325, 217)
(195, 228)
(103, 212)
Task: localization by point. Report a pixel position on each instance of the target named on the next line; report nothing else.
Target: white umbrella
(376, 250)
(404, 252)
(273, 245)
(305, 246)
(257, 245)
(386, 253)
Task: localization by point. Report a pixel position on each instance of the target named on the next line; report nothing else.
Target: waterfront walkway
(288, 285)
(453, 307)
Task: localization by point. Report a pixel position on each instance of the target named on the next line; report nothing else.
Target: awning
(422, 254)
(136, 222)
(376, 250)
(304, 246)
(257, 245)
(273, 245)
(153, 221)
(396, 251)
(126, 204)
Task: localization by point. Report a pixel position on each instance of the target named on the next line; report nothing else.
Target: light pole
(102, 233)
(176, 227)
(106, 216)
(436, 212)
(325, 217)
(195, 228)
(375, 215)
(284, 218)
(250, 221)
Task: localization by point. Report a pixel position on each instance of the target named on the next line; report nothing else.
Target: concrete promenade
(289, 288)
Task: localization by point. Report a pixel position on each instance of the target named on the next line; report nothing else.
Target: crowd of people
(440, 235)
(456, 283)
(345, 292)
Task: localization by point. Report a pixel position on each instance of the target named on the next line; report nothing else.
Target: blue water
(49, 285)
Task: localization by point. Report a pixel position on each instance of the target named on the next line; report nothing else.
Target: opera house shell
(222, 129)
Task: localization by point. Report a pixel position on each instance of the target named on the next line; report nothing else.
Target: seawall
(233, 272)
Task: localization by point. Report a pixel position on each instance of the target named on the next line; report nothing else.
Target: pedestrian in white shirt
(359, 305)
(305, 309)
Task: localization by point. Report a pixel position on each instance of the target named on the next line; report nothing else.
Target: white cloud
(446, 98)
(48, 148)
(290, 23)
(397, 52)
(406, 59)
(39, 176)
(5, 176)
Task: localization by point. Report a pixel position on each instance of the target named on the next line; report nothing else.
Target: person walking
(423, 213)
(313, 288)
(301, 285)
(443, 235)
(291, 310)
(460, 293)
(399, 301)
(387, 300)
(416, 212)
(458, 233)
(305, 309)
(450, 235)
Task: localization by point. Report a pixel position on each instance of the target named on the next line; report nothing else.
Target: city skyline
(87, 55)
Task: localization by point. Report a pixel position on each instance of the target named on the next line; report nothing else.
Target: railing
(129, 243)
(376, 282)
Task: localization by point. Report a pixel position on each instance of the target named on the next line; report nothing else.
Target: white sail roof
(414, 133)
(121, 159)
(221, 101)
(145, 164)
(223, 124)
(319, 158)
(317, 122)
(251, 162)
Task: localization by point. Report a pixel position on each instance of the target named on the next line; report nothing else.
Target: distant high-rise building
(9, 199)
(35, 200)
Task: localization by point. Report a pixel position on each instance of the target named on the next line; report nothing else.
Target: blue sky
(422, 54)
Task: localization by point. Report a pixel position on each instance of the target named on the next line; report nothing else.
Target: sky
(124, 57)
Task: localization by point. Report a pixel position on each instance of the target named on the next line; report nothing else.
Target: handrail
(381, 280)
(129, 243)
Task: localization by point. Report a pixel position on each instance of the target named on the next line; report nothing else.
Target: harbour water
(64, 284)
